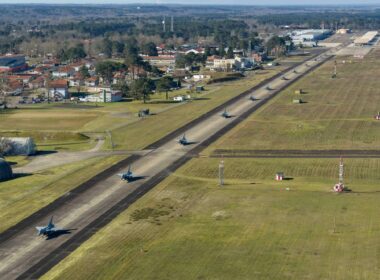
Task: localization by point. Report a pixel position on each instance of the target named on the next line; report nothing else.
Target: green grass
(339, 113)
(26, 194)
(252, 228)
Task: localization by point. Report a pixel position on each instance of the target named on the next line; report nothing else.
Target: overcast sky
(229, 2)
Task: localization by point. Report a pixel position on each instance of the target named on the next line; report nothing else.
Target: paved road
(295, 153)
(24, 253)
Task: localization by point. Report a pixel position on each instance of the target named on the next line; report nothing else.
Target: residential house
(24, 79)
(91, 82)
(63, 72)
(118, 77)
(59, 88)
(38, 82)
(77, 80)
(13, 87)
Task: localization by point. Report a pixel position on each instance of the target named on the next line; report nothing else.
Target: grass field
(26, 194)
(253, 228)
(65, 126)
(339, 113)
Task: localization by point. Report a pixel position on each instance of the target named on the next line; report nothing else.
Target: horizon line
(195, 4)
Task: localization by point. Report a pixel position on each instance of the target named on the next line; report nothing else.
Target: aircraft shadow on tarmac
(43, 153)
(58, 233)
(190, 143)
(137, 178)
(201, 98)
(20, 175)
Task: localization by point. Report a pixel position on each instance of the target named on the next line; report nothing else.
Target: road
(23, 255)
(295, 153)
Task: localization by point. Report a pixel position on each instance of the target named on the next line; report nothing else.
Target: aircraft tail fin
(51, 221)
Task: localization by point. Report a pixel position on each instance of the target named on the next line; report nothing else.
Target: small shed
(280, 176)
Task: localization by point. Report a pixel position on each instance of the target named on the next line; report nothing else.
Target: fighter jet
(127, 176)
(183, 141)
(50, 231)
(225, 114)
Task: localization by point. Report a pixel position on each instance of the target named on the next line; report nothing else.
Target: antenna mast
(164, 25)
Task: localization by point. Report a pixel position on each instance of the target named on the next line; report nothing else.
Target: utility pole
(341, 171)
(221, 173)
(335, 70)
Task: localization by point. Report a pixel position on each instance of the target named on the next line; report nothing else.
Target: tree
(117, 47)
(276, 45)
(105, 70)
(106, 47)
(84, 72)
(132, 59)
(123, 87)
(73, 53)
(164, 85)
(222, 52)
(142, 88)
(149, 49)
(230, 53)
(180, 61)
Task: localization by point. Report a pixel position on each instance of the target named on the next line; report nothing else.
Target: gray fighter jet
(50, 231)
(127, 176)
(225, 114)
(183, 141)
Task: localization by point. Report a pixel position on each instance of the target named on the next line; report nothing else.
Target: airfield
(254, 226)
(22, 253)
(176, 220)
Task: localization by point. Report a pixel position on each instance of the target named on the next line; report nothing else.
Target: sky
(213, 2)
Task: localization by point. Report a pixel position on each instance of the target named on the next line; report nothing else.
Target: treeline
(357, 20)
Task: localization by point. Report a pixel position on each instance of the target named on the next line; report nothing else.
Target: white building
(59, 88)
(309, 37)
(106, 95)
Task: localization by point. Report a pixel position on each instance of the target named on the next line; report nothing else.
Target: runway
(95, 203)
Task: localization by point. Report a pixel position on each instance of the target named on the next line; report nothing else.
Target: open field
(27, 193)
(338, 113)
(252, 228)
